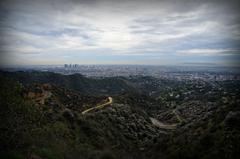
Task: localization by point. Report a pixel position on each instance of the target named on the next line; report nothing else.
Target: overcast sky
(159, 32)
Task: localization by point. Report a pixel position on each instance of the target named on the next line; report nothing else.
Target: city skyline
(109, 32)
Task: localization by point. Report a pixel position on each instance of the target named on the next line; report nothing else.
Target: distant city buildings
(162, 72)
(154, 71)
(69, 66)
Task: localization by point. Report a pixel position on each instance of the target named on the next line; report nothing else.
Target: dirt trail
(180, 120)
(46, 95)
(110, 100)
(162, 125)
(167, 126)
(153, 120)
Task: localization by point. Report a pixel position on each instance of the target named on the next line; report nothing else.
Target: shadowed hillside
(111, 85)
(42, 118)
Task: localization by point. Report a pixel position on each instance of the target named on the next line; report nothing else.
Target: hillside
(57, 127)
(78, 82)
(41, 118)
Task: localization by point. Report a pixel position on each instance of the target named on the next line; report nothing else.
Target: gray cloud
(130, 27)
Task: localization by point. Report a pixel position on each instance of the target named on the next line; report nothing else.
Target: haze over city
(166, 32)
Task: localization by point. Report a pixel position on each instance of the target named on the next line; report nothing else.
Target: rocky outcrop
(38, 93)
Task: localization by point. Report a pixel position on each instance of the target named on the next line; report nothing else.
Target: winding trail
(161, 125)
(46, 95)
(167, 126)
(180, 120)
(110, 101)
(153, 120)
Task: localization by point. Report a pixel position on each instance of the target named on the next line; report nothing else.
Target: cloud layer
(110, 32)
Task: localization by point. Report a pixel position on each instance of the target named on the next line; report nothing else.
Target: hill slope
(111, 85)
(45, 121)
